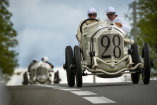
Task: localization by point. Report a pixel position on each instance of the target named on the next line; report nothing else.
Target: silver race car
(39, 72)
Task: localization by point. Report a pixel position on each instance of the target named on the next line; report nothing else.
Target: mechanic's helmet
(34, 60)
(45, 59)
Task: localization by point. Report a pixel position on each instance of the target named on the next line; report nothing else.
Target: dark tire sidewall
(78, 66)
(147, 67)
(136, 59)
(69, 61)
(25, 79)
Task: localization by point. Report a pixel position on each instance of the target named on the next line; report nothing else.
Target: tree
(147, 26)
(8, 60)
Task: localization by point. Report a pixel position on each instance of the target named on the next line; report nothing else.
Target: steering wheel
(85, 22)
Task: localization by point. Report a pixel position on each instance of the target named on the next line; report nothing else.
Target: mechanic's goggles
(94, 15)
(110, 14)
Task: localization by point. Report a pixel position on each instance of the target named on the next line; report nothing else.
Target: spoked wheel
(77, 58)
(69, 63)
(136, 59)
(147, 63)
(25, 79)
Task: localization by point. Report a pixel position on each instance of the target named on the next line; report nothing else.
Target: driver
(113, 17)
(32, 63)
(45, 59)
(92, 14)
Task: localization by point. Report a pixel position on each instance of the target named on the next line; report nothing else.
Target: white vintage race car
(103, 52)
(40, 72)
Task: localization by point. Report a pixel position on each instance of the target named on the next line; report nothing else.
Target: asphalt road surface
(123, 93)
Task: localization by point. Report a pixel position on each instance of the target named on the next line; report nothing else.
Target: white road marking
(94, 100)
(58, 87)
(99, 100)
(80, 93)
(70, 89)
(51, 86)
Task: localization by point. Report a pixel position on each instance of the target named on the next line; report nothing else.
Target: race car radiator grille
(110, 45)
(41, 71)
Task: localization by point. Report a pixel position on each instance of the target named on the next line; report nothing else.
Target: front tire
(135, 77)
(25, 79)
(78, 66)
(56, 77)
(69, 63)
(147, 63)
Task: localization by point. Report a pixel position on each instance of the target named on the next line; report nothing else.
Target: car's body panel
(111, 58)
(40, 73)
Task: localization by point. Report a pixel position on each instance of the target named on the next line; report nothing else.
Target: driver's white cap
(90, 10)
(45, 59)
(110, 9)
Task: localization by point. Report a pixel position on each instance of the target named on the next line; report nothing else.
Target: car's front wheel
(147, 63)
(78, 66)
(69, 63)
(136, 59)
(25, 79)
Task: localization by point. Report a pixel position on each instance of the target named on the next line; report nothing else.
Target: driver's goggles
(110, 14)
(90, 15)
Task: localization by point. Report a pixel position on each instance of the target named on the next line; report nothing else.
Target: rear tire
(135, 77)
(78, 66)
(147, 63)
(69, 62)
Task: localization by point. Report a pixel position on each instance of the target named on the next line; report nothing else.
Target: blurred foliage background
(8, 41)
(147, 28)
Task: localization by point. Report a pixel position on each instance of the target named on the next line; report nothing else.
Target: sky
(46, 27)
